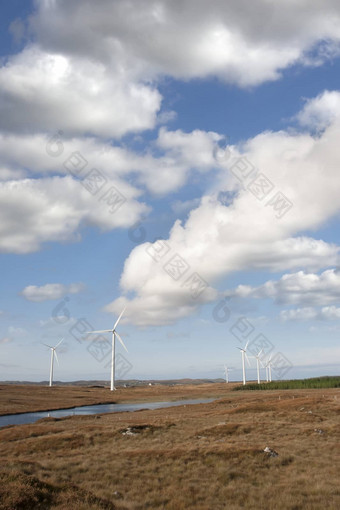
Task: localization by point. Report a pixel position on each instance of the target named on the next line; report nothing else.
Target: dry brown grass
(207, 456)
(28, 398)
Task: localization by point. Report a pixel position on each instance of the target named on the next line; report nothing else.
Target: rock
(271, 452)
(128, 432)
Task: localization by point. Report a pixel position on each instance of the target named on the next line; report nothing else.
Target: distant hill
(128, 383)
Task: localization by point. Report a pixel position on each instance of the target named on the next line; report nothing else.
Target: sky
(178, 159)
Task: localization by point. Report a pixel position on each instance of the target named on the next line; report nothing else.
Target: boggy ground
(205, 456)
(28, 398)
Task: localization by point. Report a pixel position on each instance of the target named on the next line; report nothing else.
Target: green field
(294, 384)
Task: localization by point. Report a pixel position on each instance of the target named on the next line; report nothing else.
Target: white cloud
(54, 209)
(50, 291)
(319, 112)
(310, 313)
(297, 289)
(159, 298)
(176, 153)
(229, 40)
(246, 234)
(41, 91)
(53, 206)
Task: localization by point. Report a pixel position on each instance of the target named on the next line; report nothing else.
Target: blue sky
(142, 165)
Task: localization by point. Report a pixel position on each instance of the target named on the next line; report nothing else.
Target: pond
(20, 419)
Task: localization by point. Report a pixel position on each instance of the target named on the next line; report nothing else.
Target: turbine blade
(121, 341)
(56, 357)
(245, 348)
(121, 313)
(247, 359)
(49, 346)
(58, 343)
(100, 331)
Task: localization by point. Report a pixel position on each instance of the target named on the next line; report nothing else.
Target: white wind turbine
(226, 374)
(269, 369)
(244, 357)
(258, 362)
(53, 353)
(114, 335)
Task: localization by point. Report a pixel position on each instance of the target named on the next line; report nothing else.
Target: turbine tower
(226, 374)
(268, 366)
(244, 357)
(258, 362)
(53, 353)
(114, 335)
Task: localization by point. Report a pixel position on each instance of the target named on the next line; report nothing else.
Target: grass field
(294, 384)
(205, 457)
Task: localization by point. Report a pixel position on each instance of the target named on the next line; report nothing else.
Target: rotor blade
(247, 358)
(100, 331)
(59, 343)
(240, 348)
(245, 348)
(49, 346)
(267, 363)
(56, 357)
(121, 341)
(121, 313)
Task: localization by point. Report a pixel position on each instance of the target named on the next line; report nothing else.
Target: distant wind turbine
(53, 353)
(269, 369)
(226, 374)
(258, 362)
(114, 335)
(244, 357)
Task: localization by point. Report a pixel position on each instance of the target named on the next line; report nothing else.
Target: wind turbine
(269, 369)
(258, 362)
(244, 356)
(53, 353)
(114, 335)
(226, 374)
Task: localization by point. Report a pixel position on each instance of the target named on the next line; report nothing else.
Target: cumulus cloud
(297, 289)
(102, 79)
(319, 112)
(246, 233)
(42, 91)
(309, 313)
(163, 168)
(33, 211)
(224, 39)
(165, 290)
(43, 195)
(50, 291)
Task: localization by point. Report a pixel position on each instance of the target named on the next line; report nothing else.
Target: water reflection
(19, 419)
